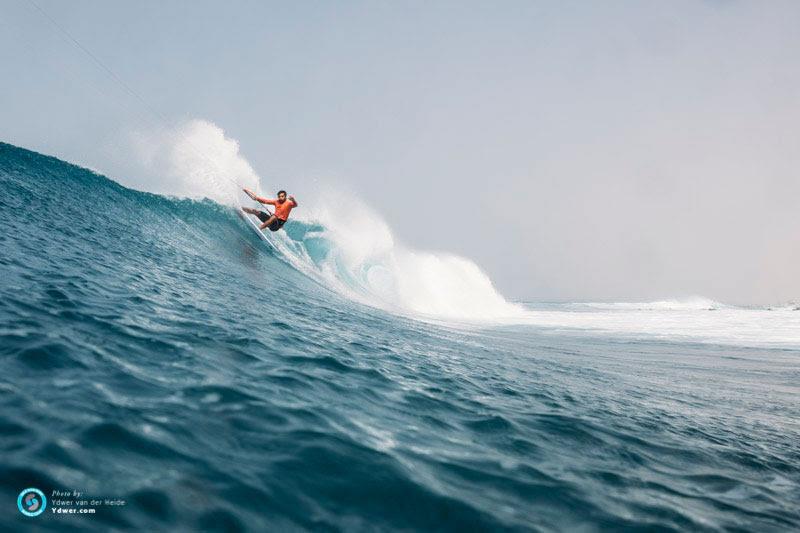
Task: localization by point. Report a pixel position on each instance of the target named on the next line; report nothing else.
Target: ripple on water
(47, 355)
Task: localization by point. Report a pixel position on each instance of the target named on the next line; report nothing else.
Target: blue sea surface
(154, 350)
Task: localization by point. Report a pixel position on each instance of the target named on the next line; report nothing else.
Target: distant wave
(695, 303)
(694, 319)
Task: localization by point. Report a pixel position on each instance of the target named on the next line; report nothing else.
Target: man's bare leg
(267, 222)
(256, 212)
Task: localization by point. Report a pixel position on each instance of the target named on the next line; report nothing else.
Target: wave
(692, 303)
(358, 255)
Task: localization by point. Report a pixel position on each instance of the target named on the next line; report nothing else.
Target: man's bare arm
(259, 199)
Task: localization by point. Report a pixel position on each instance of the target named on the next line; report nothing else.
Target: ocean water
(155, 351)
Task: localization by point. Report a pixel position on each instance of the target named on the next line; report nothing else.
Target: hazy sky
(572, 149)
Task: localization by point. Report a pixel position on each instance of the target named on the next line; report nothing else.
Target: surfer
(283, 206)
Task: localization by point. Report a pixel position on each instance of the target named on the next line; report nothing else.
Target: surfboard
(252, 224)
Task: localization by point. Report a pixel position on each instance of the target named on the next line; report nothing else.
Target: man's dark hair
(281, 192)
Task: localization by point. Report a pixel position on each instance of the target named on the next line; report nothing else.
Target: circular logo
(31, 502)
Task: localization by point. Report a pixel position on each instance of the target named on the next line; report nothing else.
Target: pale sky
(580, 150)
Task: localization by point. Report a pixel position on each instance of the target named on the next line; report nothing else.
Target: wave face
(153, 349)
(362, 261)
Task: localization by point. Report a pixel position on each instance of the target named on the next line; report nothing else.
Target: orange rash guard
(283, 209)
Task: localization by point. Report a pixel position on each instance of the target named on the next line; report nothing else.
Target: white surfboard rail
(252, 224)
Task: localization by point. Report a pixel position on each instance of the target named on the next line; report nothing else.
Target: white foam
(698, 303)
(718, 323)
(195, 160)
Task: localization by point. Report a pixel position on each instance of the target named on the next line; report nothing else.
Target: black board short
(276, 224)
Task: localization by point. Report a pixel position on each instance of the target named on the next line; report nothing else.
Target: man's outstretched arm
(260, 199)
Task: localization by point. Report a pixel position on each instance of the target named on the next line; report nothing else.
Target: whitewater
(155, 350)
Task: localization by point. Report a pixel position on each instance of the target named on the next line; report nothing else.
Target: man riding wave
(283, 206)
